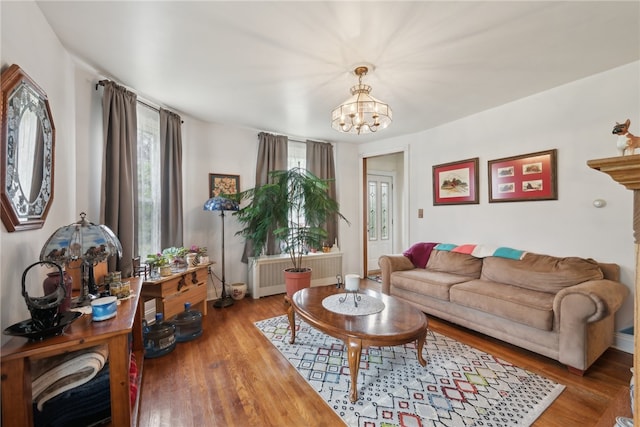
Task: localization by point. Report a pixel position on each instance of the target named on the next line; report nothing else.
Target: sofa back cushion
(456, 263)
(543, 273)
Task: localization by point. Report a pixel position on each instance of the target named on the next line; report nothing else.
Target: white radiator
(266, 275)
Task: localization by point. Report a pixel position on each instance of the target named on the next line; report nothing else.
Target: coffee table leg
(354, 351)
(420, 345)
(291, 314)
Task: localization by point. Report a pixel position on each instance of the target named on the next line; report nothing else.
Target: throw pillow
(419, 253)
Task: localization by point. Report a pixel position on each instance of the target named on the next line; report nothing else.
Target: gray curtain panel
(119, 195)
(320, 162)
(171, 176)
(272, 155)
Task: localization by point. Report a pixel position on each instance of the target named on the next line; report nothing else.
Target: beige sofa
(562, 308)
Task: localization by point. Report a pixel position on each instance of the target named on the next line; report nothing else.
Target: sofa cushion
(432, 283)
(529, 307)
(543, 273)
(455, 263)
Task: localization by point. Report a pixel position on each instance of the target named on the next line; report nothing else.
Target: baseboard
(623, 342)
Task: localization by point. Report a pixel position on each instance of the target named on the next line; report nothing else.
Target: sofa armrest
(390, 263)
(584, 318)
(605, 297)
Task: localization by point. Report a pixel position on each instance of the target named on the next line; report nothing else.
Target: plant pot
(238, 291)
(165, 271)
(191, 260)
(296, 280)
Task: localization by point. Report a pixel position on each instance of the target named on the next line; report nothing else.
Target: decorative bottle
(188, 324)
(159, 338)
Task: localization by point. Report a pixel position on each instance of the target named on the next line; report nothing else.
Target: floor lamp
(222, 204)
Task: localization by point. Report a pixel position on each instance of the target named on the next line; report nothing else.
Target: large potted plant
(292, 208)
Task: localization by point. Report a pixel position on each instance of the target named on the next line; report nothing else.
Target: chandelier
(361, 113)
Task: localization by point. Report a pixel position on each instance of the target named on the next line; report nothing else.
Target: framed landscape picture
(456, 183)
(223, 184)
(524, 178)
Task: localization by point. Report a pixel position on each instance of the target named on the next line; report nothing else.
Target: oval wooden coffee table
(398, 323)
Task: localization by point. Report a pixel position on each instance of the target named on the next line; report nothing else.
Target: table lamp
(222, 204)
(83, 241)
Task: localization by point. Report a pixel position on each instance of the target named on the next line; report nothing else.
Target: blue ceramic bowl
(104, 308)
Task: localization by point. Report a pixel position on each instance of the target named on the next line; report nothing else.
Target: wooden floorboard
(233, 376)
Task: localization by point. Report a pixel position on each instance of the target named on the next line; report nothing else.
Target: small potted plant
(176, 257)
(200, 254)
(159, 265)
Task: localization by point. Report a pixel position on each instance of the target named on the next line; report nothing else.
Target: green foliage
(157, 260)
(174, 252)
(292, 207)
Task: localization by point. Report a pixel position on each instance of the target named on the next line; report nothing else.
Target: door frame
(402, 197)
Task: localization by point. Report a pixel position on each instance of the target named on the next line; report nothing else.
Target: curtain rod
(146, 104)
(295, 139)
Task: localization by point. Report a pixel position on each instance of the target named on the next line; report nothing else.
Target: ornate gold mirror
(28, 139)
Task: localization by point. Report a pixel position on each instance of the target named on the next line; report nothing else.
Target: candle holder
(356, 297)
(351, 286)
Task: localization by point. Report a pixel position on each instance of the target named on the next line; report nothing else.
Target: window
(296, 155)
(148, 226)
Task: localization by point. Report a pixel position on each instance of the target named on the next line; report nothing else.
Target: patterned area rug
(460, 386)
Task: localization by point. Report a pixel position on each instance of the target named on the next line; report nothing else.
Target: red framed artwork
(526, 177)
(456, 183)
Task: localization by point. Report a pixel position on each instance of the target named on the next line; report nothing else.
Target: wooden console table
(173, 291)
(17, 409)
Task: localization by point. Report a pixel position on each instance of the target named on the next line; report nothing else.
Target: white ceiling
(283, 66)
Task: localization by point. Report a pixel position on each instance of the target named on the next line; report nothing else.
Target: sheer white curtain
(149, 182)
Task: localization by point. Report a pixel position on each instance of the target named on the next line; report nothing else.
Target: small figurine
(626, 140)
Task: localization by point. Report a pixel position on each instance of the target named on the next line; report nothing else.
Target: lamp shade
(82, 240)
(220, 204)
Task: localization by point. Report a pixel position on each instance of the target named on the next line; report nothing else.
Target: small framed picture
(524, 178)
(223, 184)
(456, 183)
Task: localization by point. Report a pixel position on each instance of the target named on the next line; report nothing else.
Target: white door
(379, 218)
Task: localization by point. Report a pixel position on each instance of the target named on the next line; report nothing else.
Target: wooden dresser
(123, 334)
(173, 291)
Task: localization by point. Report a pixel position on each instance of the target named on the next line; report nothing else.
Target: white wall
(213, 148)
(27, 40)
(576, 119)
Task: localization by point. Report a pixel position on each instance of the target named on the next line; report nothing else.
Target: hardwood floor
(233, 376)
